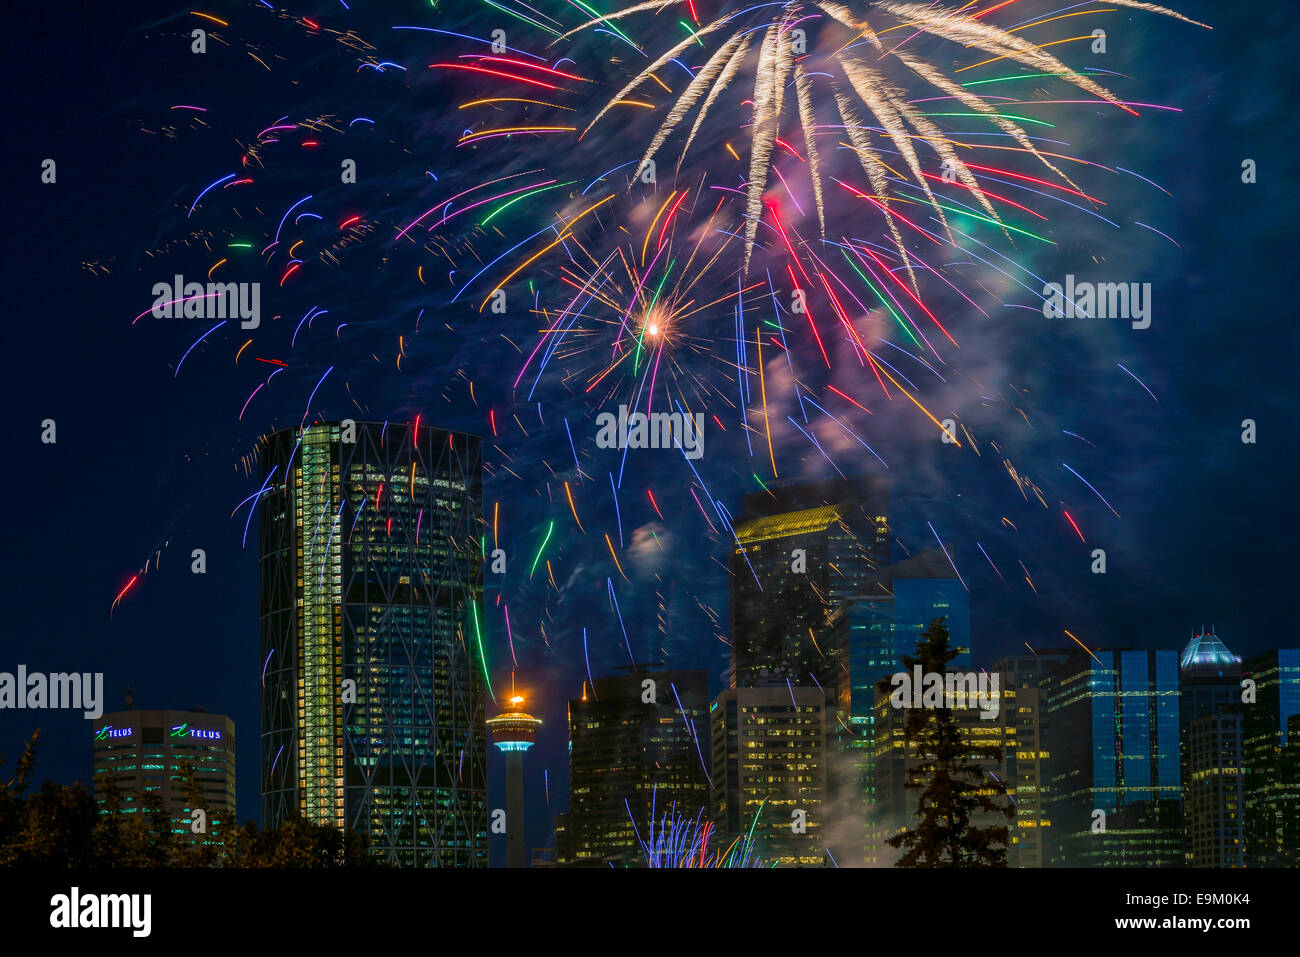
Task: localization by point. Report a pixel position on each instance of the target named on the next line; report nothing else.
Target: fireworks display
(839, 213)
(675, 841)
(826, 228)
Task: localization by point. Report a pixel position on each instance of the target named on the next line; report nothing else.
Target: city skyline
(1204, 677)
(366, 199)
(1047, 677)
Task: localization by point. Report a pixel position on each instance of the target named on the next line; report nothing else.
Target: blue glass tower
(885, 618)
(1112, 729)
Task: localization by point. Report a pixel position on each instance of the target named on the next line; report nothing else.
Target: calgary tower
(514, 732)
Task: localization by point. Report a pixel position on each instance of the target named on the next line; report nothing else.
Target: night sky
(150, 459)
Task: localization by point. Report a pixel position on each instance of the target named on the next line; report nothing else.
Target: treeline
(60, 825)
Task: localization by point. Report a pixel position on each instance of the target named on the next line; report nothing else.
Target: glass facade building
(1111, 725)
(373, 681)
(1272, 790)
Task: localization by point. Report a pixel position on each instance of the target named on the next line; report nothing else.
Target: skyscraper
(513, 732)
(816, 603)
(1214, 802)
(1291, 782)
(1026, 758)
(769, 771)
(1212, 753)
(1267, 741)
(638, 745)
(883, 619)
(1111, 729)
(141, 752)
(1209, 676)
(802, 550)
(372, 661)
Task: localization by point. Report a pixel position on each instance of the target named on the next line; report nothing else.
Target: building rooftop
(1207, 652)
(788, 524)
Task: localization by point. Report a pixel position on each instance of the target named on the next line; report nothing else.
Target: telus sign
(185, 731)
(180, 731)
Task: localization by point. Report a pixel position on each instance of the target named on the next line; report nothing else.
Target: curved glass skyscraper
(372, 677)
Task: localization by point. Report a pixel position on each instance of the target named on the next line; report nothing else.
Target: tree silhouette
(205, 851)
(63, 825)
(953, 788)
(298, 843)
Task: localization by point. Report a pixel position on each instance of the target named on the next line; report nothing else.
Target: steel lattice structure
(373, 694)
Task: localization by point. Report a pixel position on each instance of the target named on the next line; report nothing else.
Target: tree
(11, 795)
(65, 826)
(206, 850)
(953, 787)
(298, 843)
(52, 827)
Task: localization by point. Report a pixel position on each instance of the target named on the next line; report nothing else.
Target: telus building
(373, 703)
(140, 754)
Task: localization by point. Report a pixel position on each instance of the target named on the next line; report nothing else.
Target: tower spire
(513, 732)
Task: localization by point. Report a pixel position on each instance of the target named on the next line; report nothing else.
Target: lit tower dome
(513, 732)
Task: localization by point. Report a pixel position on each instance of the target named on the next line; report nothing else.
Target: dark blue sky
(146, 459)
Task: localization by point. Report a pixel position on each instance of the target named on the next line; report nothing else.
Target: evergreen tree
(953, 787)
(11, 795)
